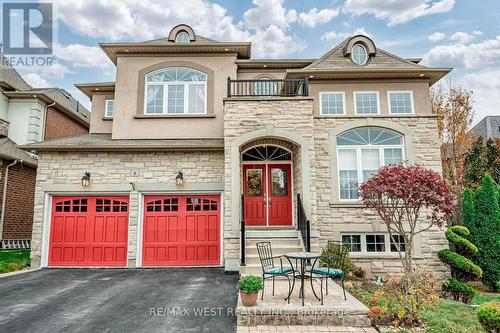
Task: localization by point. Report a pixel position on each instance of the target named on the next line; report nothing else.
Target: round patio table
(300, 271)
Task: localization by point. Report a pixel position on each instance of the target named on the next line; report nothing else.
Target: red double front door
(267, 194)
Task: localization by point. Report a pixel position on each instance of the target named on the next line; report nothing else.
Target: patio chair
(269, 269)
(334, 266)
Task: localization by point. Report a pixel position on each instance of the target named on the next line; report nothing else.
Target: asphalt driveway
(112, 300)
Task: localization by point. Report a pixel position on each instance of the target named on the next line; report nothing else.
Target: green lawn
(14, 260)
(444, 316)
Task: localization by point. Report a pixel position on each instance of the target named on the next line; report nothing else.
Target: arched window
(176, 90)
(182, 37)
(361, 152)
(265, 87)
(359, 54)
(267, 153)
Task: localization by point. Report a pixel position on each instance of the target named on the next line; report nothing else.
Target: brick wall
(60, 126)
(18, 219)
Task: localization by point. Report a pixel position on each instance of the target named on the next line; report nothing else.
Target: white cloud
(35, 80)
(274, 43)
(475, 55)
(333, 35)
(269, 12)
(477, 33)
(315, 17)
(78, 55)
(462, 37)
(485, 85)
(437, 36)
(150, 19)
(397, 12)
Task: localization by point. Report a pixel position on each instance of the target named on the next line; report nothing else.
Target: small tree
(400, 194)
(468, 213)
(482, 157)
(487, 233)
(461, 267)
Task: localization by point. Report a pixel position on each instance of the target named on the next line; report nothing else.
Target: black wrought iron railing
(267, 88)
(242, 232)
(303, 224)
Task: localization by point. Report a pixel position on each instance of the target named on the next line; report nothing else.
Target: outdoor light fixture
(179, 179)
(86, 179)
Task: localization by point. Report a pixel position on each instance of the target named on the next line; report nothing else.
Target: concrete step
(278, 249)
(271, 233)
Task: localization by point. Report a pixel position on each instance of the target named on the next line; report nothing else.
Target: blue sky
(449, 33)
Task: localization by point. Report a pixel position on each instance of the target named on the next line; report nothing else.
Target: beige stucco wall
(97, 122)
(112, 173)
(420, 93)
(248, 74)
(127, 92)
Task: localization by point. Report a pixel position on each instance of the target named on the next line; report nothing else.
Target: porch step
(282, 241)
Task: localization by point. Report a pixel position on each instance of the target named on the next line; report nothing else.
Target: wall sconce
(86, 179)
(179, 179)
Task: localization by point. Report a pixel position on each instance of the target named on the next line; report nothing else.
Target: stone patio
(275, 311)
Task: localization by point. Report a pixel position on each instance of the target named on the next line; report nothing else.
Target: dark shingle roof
(104, 142)
(9, 151)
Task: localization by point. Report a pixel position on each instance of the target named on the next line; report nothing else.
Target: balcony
(267, 88)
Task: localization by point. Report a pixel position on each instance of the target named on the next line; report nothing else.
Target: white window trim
(387, 243)
(165, 96)
(400, 91)
(359, 172)
(364, 92)
(366, 55)
(321, 93)
(106, 108)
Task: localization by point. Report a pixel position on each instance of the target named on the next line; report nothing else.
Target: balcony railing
(267, 88)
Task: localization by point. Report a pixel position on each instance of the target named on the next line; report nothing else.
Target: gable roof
(10, 78)
(336, 64)
(9, 151)
(335, 58)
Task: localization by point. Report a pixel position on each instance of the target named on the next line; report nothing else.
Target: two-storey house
(28, 115)
(197, 150)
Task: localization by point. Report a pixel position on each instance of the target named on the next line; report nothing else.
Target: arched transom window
(176, 90)
(361, 152)
(267, 153)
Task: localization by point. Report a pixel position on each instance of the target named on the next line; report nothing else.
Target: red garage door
(89, 231)
(181, 231)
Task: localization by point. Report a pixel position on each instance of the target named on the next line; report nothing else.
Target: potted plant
(249, 287)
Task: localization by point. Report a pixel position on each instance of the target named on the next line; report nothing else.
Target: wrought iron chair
(269, 269)
(334, 260)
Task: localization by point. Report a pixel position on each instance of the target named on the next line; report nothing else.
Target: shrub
(329, 251)
(359, 272)
(489, 316)
(405, 295)
(487, 236)
(250, 284)
(462, 268)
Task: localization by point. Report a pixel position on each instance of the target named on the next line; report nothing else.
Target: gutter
(4, 195)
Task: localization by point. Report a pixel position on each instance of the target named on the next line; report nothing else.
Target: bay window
(361, 152)
(176, 90)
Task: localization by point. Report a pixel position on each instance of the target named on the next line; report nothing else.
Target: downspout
(46, 109)
(4, 195)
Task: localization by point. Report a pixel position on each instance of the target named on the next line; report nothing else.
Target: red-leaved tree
(400, 194)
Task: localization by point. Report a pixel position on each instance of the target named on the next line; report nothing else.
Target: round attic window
(359, 54)
(182, 37)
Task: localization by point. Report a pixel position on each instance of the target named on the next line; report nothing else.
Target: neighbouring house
(197, 151)
(488, 127)
(28, 115)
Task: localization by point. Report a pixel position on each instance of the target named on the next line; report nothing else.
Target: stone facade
(329, 217)
(119, 173)
(279, 117)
